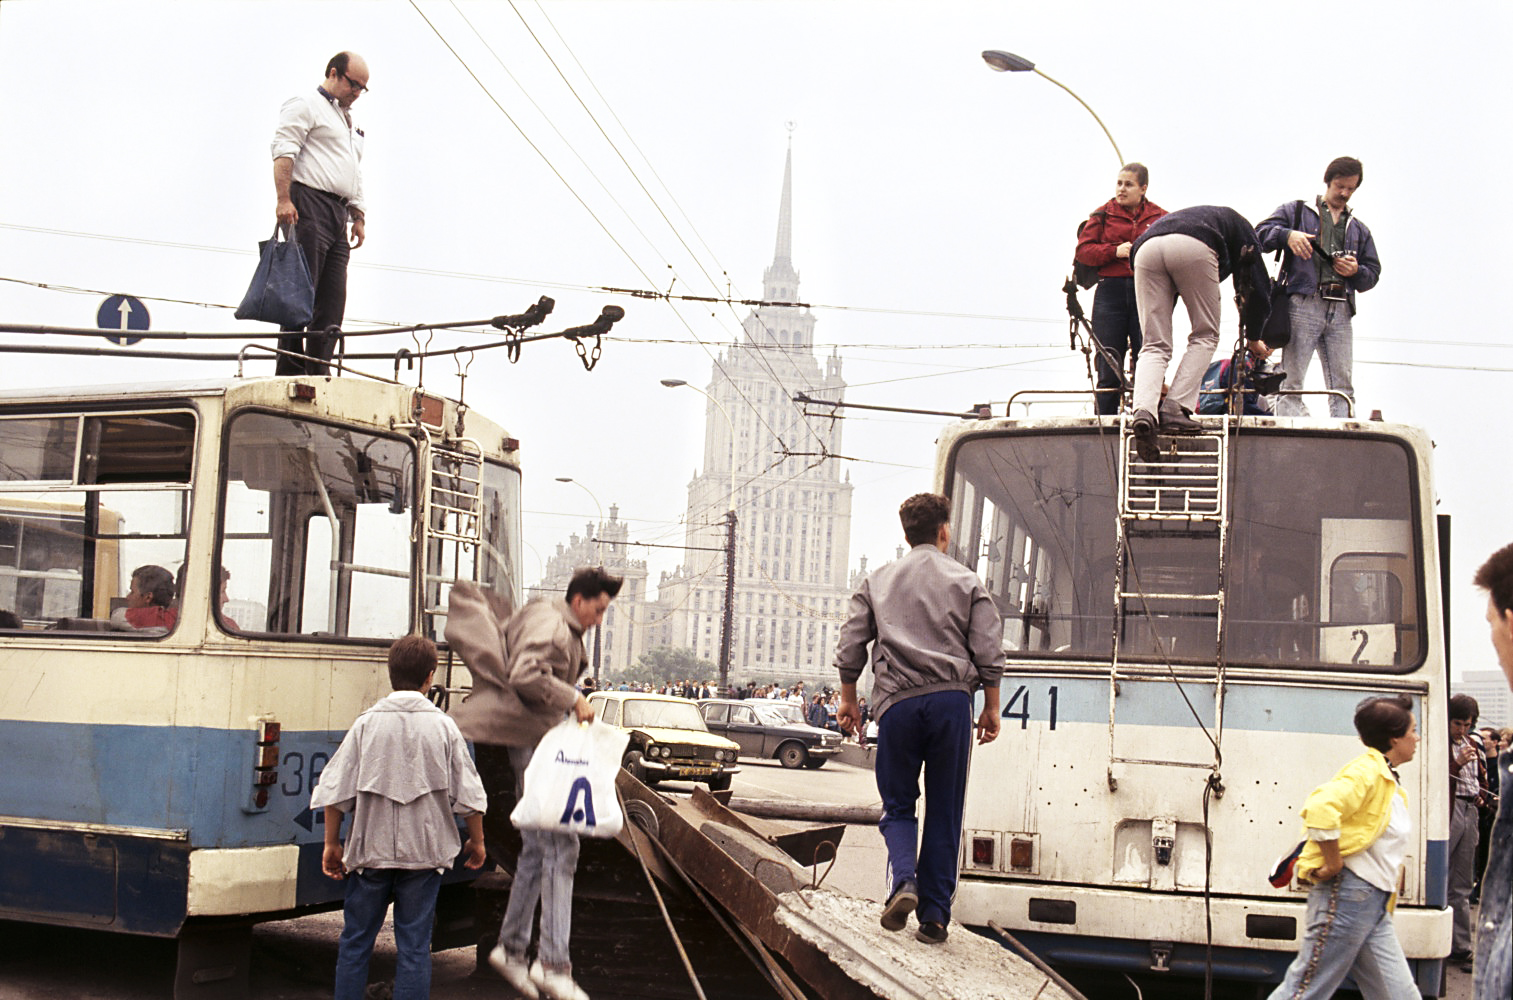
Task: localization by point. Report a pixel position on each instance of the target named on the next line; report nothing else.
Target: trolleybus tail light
(1022, 853)
(983, 851)
(300, 392)
(264, 764)
(428, 409)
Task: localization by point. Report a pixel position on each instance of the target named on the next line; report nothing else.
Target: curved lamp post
(599, 549)
(728, 616)
(1008, 62)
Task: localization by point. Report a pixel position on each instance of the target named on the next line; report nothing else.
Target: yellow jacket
(1357, 802)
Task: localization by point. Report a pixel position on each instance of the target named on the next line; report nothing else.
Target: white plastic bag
(570, 781)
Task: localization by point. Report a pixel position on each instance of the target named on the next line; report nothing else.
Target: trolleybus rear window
(1322, 567)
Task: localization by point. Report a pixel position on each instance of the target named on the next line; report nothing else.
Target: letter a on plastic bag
(570, 781)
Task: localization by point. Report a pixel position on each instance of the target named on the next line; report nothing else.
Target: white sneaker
(556, 985)
(514, 971)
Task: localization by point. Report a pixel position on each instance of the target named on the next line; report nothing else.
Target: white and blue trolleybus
(158, 766)
(1186, 642)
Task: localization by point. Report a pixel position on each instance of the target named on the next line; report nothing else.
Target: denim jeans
(1494, 937)
(1348, 932)
(1318, 327)
(1116, 325)
(934, 732)
(368, 895)
(548, 861)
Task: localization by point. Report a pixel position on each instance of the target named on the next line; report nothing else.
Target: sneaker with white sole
(556, 985)
(514, 971)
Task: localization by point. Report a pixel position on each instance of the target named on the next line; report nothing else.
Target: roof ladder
(1181, 498)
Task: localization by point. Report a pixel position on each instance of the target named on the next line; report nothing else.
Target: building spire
(784, 252)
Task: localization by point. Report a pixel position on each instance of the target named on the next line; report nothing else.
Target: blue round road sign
(122, 312)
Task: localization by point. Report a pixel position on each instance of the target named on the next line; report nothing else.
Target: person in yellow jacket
(1358, 832)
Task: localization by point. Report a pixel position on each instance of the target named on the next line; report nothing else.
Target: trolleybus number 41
(1018, 707)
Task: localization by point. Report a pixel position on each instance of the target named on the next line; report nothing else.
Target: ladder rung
(1151, 596)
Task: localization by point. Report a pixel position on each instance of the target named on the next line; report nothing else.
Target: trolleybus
(1186, 643)
(157, 778)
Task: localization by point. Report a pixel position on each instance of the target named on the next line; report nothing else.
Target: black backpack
(1086, 275)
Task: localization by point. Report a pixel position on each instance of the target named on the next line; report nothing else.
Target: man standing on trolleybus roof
(1493, 979)
(317, 176)
(1330, 256)
(935, 637)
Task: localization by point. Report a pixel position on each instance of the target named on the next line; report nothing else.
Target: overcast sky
(934, 201)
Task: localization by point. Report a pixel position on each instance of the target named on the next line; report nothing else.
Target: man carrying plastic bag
(524, 674)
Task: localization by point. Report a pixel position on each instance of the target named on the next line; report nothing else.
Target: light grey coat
(931, 626)
(403, 771)
(524, 665)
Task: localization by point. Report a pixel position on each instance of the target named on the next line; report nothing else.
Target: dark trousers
(933, 732)
(1116, 325)
(500, 838)
(322, 234)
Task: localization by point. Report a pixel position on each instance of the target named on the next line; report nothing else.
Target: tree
(669, 663)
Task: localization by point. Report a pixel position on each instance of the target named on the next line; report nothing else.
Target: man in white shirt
(317, 174)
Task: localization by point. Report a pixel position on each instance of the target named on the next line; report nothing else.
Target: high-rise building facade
(623, 635)
(792, 502)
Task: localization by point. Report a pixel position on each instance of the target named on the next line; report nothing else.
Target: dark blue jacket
(1228, 234)
(1304, 279)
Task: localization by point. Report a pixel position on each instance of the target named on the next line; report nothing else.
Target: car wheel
(719, 782)
(813, 763)
(632, 763)
(792, 755)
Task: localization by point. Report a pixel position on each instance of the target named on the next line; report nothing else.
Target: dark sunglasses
(359, 87)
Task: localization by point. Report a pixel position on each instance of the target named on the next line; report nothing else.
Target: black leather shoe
(1175, 420)
(931, 932)
(1143, 426)
(902, 903)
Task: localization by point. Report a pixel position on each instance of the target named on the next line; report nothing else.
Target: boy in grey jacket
(402, 772)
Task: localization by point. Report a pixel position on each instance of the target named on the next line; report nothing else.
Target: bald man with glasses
(317, 175)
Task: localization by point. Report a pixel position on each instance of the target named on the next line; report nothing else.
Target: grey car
(763, 732)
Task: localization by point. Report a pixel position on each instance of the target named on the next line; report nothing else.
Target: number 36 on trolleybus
(1186, 644)
(160, 748)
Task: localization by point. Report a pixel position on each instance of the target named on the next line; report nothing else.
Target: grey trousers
(1463, 837)
(1166, 267)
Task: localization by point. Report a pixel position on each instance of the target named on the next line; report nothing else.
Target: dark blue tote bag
(281, 291)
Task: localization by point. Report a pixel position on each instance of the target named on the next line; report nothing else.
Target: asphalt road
(293, 959)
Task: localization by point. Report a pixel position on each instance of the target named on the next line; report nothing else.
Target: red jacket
(1110, 226)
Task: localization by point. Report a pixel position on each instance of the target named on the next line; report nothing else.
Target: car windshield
(771, 717)
(663, 715)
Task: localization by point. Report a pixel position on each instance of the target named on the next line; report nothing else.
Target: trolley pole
(729, 617)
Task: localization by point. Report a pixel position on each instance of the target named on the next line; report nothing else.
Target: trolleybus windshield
(1321, 568)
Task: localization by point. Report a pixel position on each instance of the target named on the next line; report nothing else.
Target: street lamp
(728, 622)
(1008, 62)
(599, 548)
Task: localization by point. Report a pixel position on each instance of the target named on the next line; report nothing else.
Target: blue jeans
(933, 732)
(1116, 325)
(1323, 328)
(548, 861)
(368, 895)
(1348, 932)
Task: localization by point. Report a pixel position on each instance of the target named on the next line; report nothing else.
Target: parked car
(768, 729)
(668, 739)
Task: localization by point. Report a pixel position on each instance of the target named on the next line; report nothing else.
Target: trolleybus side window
(1320, 567)
(316, 529)
(85, 501)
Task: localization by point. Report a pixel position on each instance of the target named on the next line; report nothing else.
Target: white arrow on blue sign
(122, 312)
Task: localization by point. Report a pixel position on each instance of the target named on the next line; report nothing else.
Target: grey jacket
(402, 771)
(931, 626)
(523, 665)
(1493, 977)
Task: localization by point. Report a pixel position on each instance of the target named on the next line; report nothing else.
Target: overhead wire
(693, 255)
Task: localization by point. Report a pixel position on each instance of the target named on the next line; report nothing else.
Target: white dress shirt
(317, 133)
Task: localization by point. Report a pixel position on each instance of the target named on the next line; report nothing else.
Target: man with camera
(1329, 256)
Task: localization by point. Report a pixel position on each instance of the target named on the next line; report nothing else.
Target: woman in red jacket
(1104, 242)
